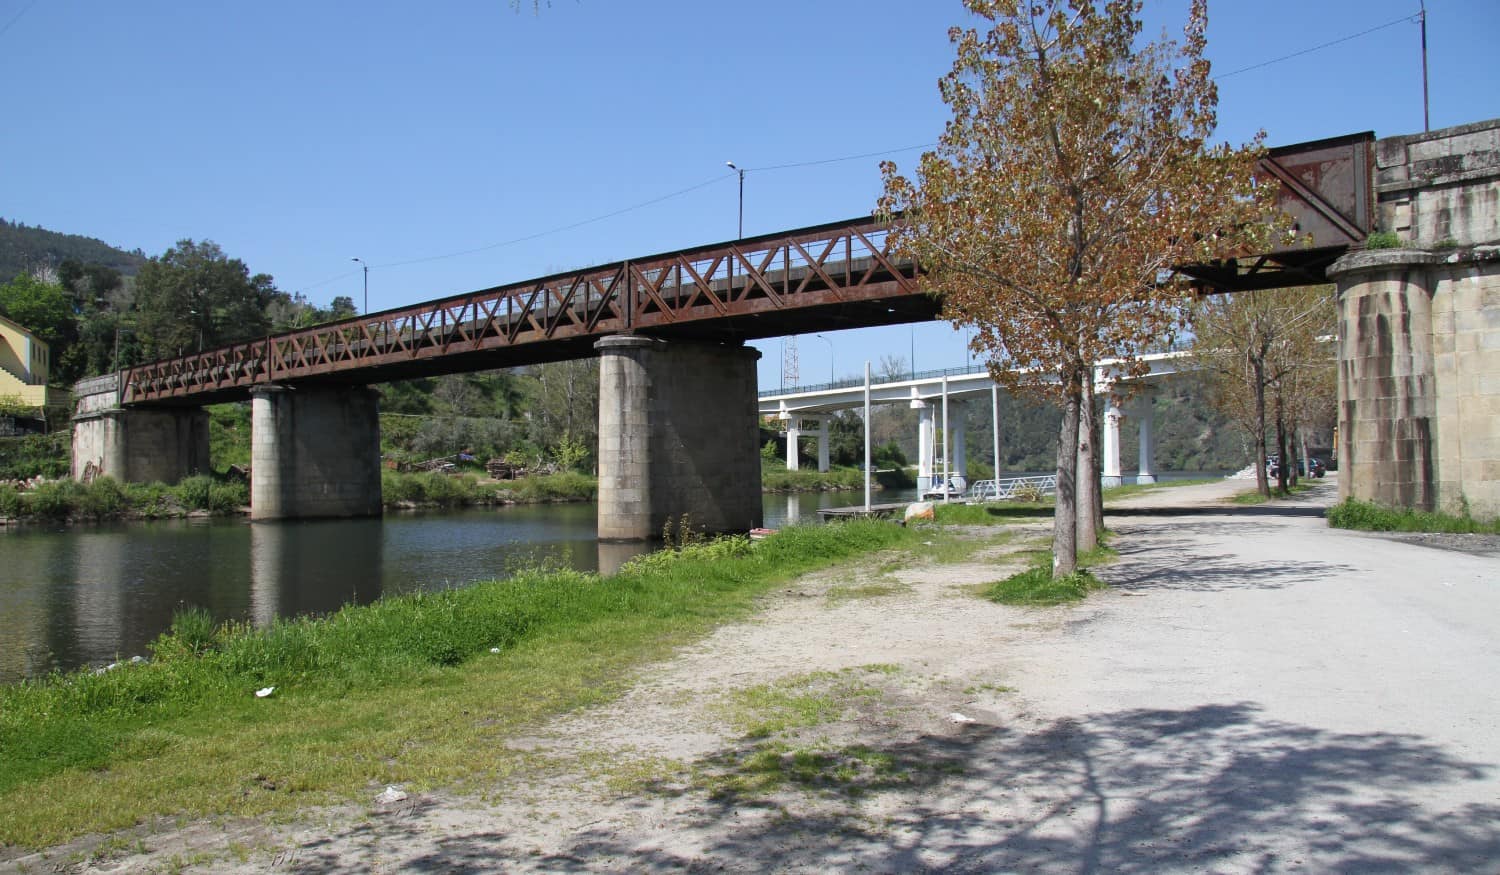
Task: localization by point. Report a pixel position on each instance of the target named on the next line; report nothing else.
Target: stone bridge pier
(1419, 330)
(314, 452)
(135, 445)
(677, 436)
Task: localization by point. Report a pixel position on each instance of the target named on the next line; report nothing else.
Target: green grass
(467, 490)
(1370, 517)
(1036, 587)
(106, 498)
(1253, 496)
(774, 478)
(402, 691)
(997, 513)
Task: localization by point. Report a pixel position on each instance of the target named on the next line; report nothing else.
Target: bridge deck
(822, 278)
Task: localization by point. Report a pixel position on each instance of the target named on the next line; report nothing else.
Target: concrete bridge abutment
(677, 437)
(131, 445)
(315, 452)
(1419, 378)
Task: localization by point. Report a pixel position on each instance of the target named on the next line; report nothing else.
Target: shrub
(1383, 240)
(194, 491)
(10, 501)
(228, 498)
(101, 499)
(53, 500)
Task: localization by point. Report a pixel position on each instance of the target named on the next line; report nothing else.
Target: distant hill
(23, 249)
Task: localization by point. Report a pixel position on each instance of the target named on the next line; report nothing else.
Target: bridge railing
(1011, 488)
(828, 264)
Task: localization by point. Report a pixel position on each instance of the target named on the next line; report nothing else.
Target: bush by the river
(464, 490)
(105, 498)
(66, 738)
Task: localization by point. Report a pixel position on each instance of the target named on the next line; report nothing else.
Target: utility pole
(1426, 118)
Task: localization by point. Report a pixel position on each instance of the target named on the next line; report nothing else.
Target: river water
(88, 595)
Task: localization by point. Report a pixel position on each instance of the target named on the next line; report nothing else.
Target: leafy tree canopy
(39, 307)
(194, 297)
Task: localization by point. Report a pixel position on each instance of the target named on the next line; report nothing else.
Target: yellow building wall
(24, 365)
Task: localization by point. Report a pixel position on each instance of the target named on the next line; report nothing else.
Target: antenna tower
(789, 363)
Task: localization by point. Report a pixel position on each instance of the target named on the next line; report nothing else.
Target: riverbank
(388, 685)
(1225, 705)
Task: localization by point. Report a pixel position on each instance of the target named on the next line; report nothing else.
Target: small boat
(759, 534)
(957, 486)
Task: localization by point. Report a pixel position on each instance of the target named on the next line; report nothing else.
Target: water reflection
(313, 567)
(93, 594)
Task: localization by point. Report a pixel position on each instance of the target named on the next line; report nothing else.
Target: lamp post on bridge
(830, 358)
(741, 171)
(366, 266)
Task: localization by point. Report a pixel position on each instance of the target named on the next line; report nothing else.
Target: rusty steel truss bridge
(823, 278)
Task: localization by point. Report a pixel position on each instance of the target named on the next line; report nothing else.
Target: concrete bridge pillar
(677, 430)
(823, 446)
(1110, 460)
(958, 421)
(793, 439)
(135, 445)
(1419, 378)
(926, 444)
(1145, 410)
(315, 452)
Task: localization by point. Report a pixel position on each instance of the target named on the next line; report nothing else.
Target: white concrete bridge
(806, 409)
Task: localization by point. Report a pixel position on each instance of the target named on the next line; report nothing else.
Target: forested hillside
(25, 249)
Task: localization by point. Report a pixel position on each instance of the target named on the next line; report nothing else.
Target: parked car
(1313, 468)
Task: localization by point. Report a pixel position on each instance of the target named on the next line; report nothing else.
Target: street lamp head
(732, 166)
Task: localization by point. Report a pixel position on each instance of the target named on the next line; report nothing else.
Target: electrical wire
(1343, 39)
(17, 17)
(770, 167)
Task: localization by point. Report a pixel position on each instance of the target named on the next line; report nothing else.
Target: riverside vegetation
(401, 691)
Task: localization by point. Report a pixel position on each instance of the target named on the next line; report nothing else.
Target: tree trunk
(1088, 483)
(1284, 462)
(1261, 486)
(1098, 472)
(1065, 516)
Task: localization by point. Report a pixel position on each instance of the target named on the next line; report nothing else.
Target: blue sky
(300, 134)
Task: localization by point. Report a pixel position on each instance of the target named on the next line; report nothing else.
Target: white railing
(1010, 488)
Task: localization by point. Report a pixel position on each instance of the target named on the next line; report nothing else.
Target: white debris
(920, 510)
(390, 796)
(494, 650)
(956, 717)
(264, 692)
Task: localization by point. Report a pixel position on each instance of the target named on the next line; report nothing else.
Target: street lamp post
(830, 357)
(741, 172)
(366, 266)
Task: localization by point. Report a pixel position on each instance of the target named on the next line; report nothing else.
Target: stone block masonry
(135, 445)
(315, 452)
(677, 436)
(1419, 370)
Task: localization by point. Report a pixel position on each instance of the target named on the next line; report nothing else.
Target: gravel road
(1254, 693)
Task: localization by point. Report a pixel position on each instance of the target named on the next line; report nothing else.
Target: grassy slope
(404, 691)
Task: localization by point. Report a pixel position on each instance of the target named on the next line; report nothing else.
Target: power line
(1342, 39)
(610, 215)
(17, 17)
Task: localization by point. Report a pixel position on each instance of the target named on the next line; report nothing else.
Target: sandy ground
(1254, 693)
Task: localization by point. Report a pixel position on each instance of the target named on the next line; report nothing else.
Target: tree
(195, 297)
(1074, 174)
(40, 307)
(1262, 348)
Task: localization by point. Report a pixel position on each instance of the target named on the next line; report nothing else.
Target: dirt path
(1255, 693)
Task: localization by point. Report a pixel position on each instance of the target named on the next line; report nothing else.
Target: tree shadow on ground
(1209, 788)
(1157, 563)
